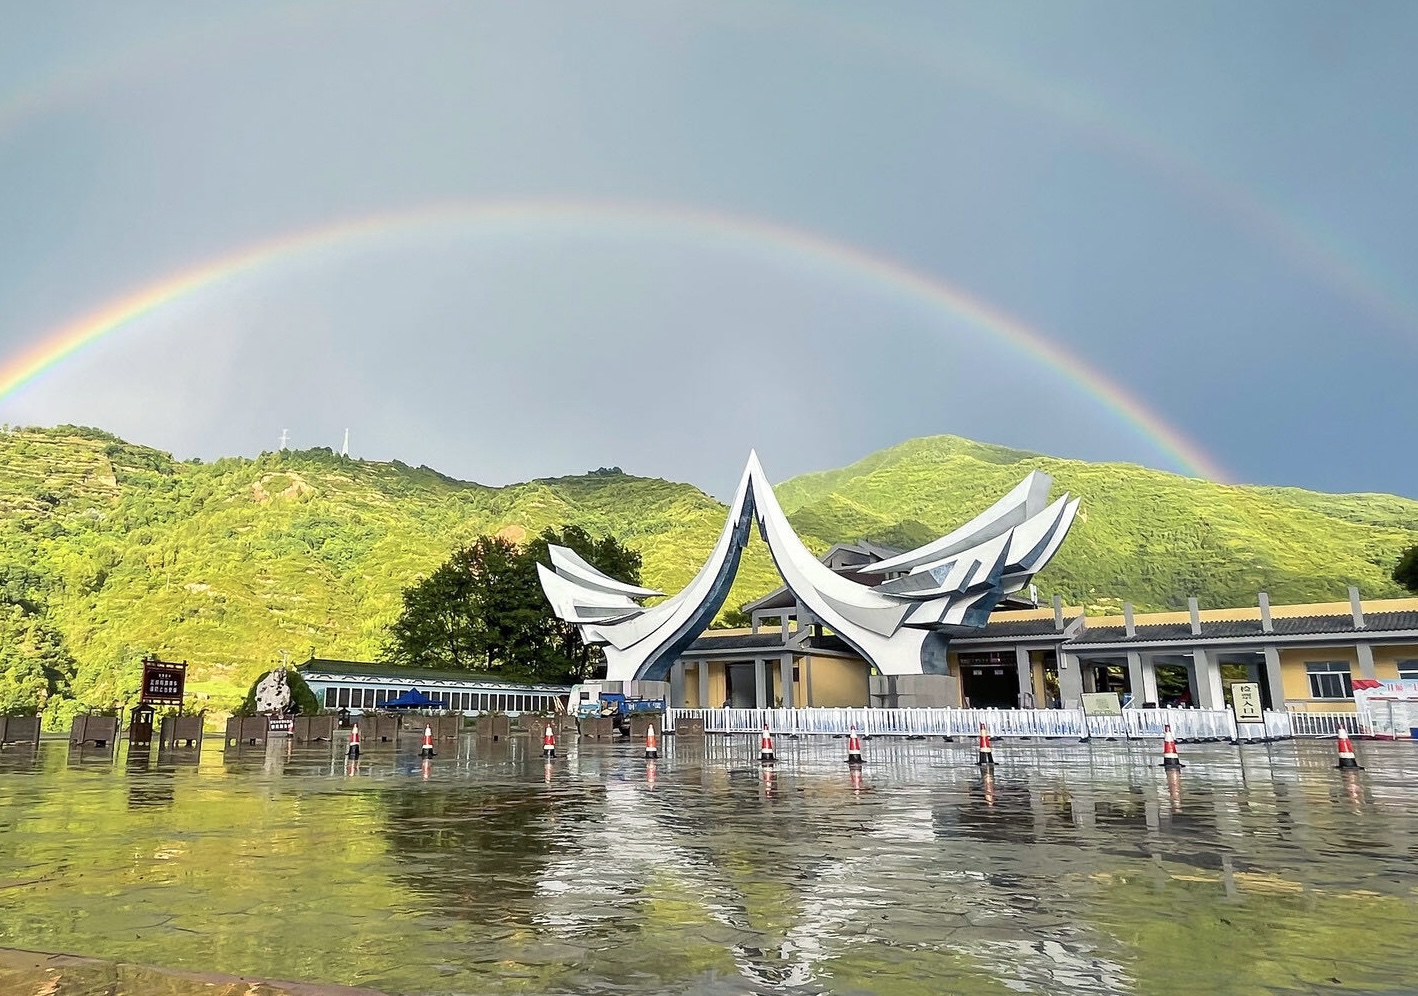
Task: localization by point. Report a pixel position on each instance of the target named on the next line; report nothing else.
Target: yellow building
(1305, 658)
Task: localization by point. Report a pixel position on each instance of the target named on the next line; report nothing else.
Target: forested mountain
(110, 550)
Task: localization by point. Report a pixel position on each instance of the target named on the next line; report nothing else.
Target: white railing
(1324, 724)
(1187, 724)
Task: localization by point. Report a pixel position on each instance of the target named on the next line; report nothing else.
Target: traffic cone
(987, 753)
(765, 747)
(1346, 752)
(427, 749)
(652, 747)
(854, 747)
(1170, 758)
(549, 743)
(353, 751)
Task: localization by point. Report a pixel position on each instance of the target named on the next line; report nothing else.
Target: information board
(1102, 704)
(1245, 702)
(163, 683)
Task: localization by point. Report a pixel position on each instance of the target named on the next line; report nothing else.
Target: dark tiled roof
(769, 641)
(1232, 629)
(1017, 627)
(401, 674)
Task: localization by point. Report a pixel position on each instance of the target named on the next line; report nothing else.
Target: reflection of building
(359, 686)
(1310, 653)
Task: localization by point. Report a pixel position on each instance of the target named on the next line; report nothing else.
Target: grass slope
(110, 550)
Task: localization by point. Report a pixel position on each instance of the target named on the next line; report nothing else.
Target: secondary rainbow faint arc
(691, 225)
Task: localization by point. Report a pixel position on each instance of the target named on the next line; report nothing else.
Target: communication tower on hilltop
(345, 449)
(285, 437)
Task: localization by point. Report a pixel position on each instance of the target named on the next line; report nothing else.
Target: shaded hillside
(110, 550)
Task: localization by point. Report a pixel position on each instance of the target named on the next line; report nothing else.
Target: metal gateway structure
(898, 613)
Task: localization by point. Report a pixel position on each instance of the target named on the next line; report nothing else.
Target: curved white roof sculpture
(901, 625)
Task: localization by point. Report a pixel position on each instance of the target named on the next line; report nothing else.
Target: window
(369, 698)
(344, 699)
(1408, 670)
(502, 703)
(1329, 679)
(330, 702)
(381, 696)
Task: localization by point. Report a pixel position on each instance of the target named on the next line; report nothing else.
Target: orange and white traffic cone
(987, 753)
(353, 751)
(765, 747)
(652, 746)
(1170, 757)
(549, 743)
(427, 749)
(1346, 751)
(854, 747)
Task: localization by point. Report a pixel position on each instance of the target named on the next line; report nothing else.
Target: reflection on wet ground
(1071, 869)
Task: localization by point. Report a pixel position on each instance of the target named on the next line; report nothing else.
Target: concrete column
(1070, 682)
(807, 680)
(704, 702)
(1274, 679)
(1366, 660)
(760, 683)
(785, 679)
(1142, 678)
(1208, 680)
(677, 685)
(1026, 678)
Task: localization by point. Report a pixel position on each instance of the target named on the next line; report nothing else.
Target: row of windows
(374, 698)
(1334, 679)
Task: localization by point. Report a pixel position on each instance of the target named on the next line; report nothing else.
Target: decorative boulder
(273, 694)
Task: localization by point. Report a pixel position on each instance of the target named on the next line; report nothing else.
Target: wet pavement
(1073, 869)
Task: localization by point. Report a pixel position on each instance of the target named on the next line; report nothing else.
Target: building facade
(1304, 657)
(360, 686)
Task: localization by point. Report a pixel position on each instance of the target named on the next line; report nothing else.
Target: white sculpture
(901, 625)
(273, 693)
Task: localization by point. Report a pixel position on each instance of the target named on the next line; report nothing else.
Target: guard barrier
(1186, 724)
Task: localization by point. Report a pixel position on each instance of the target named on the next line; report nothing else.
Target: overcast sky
(1210, 206)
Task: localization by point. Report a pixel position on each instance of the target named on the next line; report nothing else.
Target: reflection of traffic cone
(549, 743)
(765, 747)
(987, 781)
(1351, 786)
(1346, 751)
(987, 753)
(767, 779)
(427, 765)
(650, 774)
(1170, 758)
(427, 749)
(856, 779)
(652, 747)
(548, 772)
(353, 751)
(854, 747)
(1174, 788)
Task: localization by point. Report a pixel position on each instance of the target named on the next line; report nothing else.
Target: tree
(483, 610)
(1406, 573)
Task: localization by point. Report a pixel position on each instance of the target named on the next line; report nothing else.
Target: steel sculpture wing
(899, 625)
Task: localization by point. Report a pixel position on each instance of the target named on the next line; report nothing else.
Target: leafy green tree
(483, 610)
(1406, 573)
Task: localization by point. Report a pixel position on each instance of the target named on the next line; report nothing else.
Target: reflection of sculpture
(900, 625)
(273, 694)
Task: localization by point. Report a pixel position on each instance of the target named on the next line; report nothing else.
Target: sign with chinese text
(1245, 701)
(163, 683)
(1102, 704)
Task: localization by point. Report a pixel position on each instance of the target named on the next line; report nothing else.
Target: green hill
(110, 550)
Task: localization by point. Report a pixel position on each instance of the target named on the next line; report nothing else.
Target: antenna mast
(345, 449)
(285, 437)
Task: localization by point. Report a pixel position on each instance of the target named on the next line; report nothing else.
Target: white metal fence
(1187, 724)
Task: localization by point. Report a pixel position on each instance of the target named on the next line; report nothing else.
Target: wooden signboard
(163, 683)
(1102, 704)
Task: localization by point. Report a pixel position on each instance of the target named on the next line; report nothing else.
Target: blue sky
(1209, 205)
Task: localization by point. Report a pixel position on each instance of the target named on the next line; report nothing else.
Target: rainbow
(732, 232)
(1263, 219)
